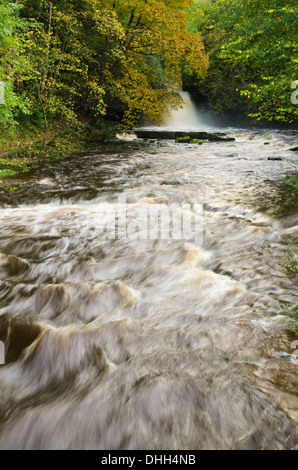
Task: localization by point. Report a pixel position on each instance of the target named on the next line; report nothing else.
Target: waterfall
(187, 117)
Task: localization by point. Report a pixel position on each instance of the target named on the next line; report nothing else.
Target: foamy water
(151, 343)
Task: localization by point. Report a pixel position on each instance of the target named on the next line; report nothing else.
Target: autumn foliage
(95, 58)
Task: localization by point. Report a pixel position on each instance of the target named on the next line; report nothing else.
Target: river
(119, 339)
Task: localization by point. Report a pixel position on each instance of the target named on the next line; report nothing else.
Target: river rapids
(117, 340)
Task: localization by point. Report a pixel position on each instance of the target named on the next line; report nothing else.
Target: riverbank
(20, 154)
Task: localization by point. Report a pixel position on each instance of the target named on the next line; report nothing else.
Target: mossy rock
(171, 183)
(183, 140)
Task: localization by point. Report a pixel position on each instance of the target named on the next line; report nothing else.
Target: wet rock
(4, 200)
(183, 140)
(232, 155)
(172, 135)
(188, 140)
(275, 159)
(294, 149)
(171, 183)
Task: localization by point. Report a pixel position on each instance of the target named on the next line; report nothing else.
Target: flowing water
(188, 117)
(115, 343)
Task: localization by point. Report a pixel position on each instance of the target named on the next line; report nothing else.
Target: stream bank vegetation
(290, 262)
(292, 313)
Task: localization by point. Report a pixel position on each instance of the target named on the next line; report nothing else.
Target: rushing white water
(116, 343)
(187, 117)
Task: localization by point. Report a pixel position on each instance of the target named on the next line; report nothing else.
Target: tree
(56, 53)
(85, 59)
(14, 66)
(121, 58)
(217, 90)
(258, 50)
(142, 44)
(263, 44)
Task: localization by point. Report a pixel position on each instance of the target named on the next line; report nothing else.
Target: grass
(290, 260)
(293, 181)
(7, 173)
(292, 312)
(291, 263)
(12, 167)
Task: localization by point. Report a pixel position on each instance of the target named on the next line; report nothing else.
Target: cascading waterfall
(187, 117)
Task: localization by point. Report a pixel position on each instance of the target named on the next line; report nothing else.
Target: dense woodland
(119, 62)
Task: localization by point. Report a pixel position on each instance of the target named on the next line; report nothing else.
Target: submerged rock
(188, 140)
